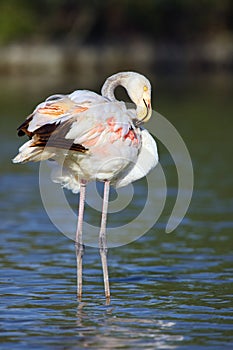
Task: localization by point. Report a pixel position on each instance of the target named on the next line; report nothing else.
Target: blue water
(169, 291)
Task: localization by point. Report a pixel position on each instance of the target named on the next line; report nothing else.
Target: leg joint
(79, 247)
(103, 250)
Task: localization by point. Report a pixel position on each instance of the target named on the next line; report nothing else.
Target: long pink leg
(78, 239)
(103, 240)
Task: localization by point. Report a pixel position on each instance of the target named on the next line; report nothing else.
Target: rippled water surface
(168, 290)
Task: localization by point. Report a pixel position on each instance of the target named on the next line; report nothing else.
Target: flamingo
(94, 138)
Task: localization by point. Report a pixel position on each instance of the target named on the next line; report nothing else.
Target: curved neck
(119, 79)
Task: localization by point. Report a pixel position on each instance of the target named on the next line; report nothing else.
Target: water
(169, 291)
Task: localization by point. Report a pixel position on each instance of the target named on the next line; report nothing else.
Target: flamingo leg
(79, 246)
(103, 240)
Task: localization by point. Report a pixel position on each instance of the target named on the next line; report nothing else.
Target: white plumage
(93, 137)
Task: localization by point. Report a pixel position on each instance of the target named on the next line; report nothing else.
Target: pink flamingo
(94, 138)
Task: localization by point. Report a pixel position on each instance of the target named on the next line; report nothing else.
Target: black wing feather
(51, 135)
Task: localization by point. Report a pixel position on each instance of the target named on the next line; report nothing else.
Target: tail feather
(60, 174)
(28, 153)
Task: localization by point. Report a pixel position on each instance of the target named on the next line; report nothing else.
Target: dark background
(166, 35)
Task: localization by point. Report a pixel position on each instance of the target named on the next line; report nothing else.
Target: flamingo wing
(75, 123)
(54, 135)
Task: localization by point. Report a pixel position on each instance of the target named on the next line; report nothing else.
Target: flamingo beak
(143, 112)
(149, 110)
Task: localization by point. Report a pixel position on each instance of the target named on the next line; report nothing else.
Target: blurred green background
(101, 22)
(158, 35)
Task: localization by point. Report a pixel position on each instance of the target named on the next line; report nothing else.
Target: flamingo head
(139, 91)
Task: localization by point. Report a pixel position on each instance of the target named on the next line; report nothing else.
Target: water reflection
(121, 330)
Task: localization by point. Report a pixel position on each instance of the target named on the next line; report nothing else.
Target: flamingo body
(111, 146)
(93, 137)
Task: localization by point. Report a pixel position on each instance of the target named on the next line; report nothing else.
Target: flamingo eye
(145, 88)
(54, 97)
